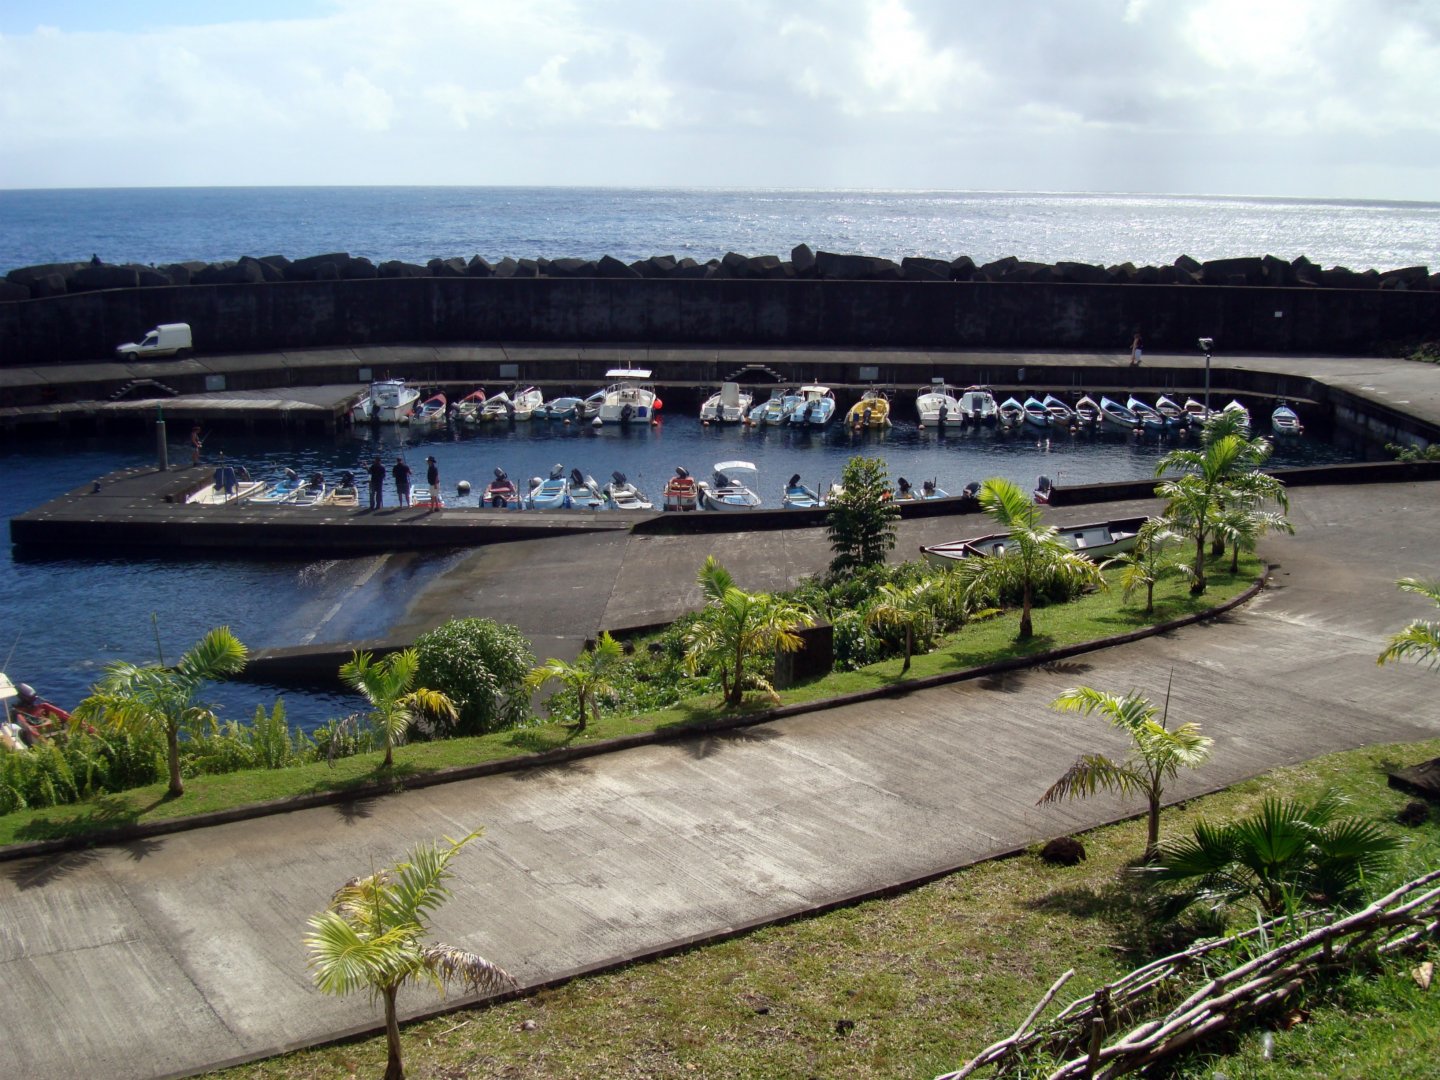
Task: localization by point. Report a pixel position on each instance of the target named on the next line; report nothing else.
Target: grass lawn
(1099, 615)
(914, 985)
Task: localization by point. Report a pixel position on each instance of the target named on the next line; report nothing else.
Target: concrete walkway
(171, 955)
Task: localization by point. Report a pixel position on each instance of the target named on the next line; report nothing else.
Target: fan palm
(1156, 756)
(1149, 562)
(736, 625)
(588, 676)
(1420, 641)
(371, 937)
(138, 696)
(1034, 556)
(1284, 855)
(396, 703)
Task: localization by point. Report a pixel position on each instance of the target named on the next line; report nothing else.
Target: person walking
(432, 477)
(401, 472)
(377, 483)
(1135, 351)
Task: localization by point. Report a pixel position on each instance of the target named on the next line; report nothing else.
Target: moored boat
(430, 411)
(1036, 413)
(526, 402)
(731, 487)
(1061, 415)
(466, 408)
(345, 493)
(816, 407)
(1087, 411)
(585, 493)
(623, 495)
(1285, 421)
(1196, 411)
(630, 398)
(1010, 413)
(552, 493)
(937, 404)
(777, 408)
(286, 489)
(681, 492)
(1096, 540)
(312, 493)
(871, 411)
(1149, 417)
(1174, 414)
(1240, 413)
(1118, 416)
(728, 405)
(390, 401)
(496, 407)
(501, 493)
(977, 403)
(796, 496)
(25, 719)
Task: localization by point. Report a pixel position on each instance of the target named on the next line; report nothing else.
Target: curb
(564, 755)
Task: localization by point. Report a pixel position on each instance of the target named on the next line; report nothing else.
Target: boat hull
(1096, 540)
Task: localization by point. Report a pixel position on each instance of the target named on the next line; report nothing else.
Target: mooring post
(162, 452)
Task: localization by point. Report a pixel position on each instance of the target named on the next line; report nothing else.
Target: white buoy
(463, 487)
(597, 422)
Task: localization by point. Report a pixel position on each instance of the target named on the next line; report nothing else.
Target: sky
(1307, 98)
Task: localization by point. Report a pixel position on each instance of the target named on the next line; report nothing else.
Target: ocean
(415, 224)
(132, 608)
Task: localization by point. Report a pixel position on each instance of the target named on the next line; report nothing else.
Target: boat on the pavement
(390, 401)
(977, 403)
(681, 492)
(623, 495)
(1118, 416)
(938, 404)
(871, 411)
(731, 487)
(816, 407)
(728, 405)
(1285, 421)
(796, 496)
(1096, 540)
(630, 398)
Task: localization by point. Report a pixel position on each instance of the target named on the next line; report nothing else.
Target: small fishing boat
(728, 405)
(630, 398)
(287, 489)
(1118, 416)
(731, 488)
(585, 493)
(501, 493)
(467, 408)
(623, 495)
(816, 407)
(230, 484)
(312, 493)
(871, 411)
(796, 496)
(930, 489)
(1241, 414)
(1098, 540)
(1196, 411)
(681, 491)
(1174, 414)
(430, 411)
(497, 407)
(938, 404)
(776, 409)
(25, 719)
(345, 493)
(977, 403)
(1087, 412)
(1149, 417)
(1036, 413)
(552, 493)
(1061, 415)
(526, 402)
(561, 408)
(1285, 421)
(1010, 413)
(389, 401)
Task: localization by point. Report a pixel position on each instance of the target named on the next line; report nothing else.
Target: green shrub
(481, 666)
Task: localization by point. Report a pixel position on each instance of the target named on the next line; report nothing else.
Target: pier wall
(782, 313)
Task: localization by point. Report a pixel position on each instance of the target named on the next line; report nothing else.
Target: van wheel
(132, 357)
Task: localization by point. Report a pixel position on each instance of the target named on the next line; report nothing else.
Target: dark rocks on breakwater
(56, 279)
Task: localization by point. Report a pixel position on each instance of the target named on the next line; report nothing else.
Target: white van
(167, 339)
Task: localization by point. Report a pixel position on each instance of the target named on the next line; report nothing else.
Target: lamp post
(1208, 345)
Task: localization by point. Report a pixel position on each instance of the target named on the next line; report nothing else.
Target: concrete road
(171, 955)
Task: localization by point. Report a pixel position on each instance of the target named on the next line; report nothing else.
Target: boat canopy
(627, 373)
(731, 466)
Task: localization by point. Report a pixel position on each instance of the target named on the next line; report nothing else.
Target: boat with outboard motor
(796, 496)
(777, 408)
(430, 411)
(390, 401)
(1196, 411)
(1118, 416)
(977, 404)
(731, 487)
(501, 493)
(1149, 417)
(816, 407)
(1096, 540)
(1010, 413)
(1285, 420)
(551, 493)
(871, 411)
(1088, 412)
(623, 495)
(25, 719)
(1036, 413)
(938, 404)
(286, 489)
(728, 405)
(1174, 414)
(1061, 415)
(345, 493)
(681, 492)
(631, 398)
(466, 409)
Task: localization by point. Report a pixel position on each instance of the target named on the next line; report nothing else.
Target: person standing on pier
(377, 483)
(196, 442)
(1136, 352)
(432, 477)
(401, 472)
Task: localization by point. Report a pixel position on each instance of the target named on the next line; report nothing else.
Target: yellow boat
(872, 410)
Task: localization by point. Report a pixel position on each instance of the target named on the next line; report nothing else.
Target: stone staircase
(130, 387)
(754, 373)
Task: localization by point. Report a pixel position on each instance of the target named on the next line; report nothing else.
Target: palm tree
(588, 676)
(908, 609)
(371, 937)
(137, 696)
(1420, 640)
(1284, 855)
(396, 703)
(735, 625)
(1035, 556)
(1150, 561)
(1225, 463)
(1156, 755)
(1242, 525)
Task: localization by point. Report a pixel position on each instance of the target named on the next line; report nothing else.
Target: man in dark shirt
(377, 483)
(401, 472)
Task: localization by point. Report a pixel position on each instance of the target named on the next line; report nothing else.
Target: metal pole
(1207, 382)
(162, 452)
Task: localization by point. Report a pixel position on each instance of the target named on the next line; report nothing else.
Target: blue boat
(552, 493)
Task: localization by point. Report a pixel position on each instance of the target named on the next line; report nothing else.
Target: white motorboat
(1097, 540)
(312, 493)
(977, 403)
(816, 407)
(496, 407)
(467, 409)
(1118, 416)
(1149, 417)
(796, 496)
(623, 495)
(1285, 421)
(1061, 415)
(731, 488)
(390, 401)
(938, 404)
(630, 398)
(1036, 413)
(585, 493)
(728, 405)
(777, 408)
(526, 402)
(552, 493)
(1010, 413)
(220, 492)
(285, 490)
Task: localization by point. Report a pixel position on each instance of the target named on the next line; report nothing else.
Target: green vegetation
(480, 665)
(396, 703)
(1414, 453)
(1156, 756)
(372, 937)
(927, 978)
(861, 521)
(653, 692)
(585, 678)
(1151, 560)
(1420, 641)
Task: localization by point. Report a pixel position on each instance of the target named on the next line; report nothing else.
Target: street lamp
(1208, 344)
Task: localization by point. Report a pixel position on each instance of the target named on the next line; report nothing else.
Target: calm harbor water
(70, 616)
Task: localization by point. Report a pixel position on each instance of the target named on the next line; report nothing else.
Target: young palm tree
(1420, 641)
(908, 609)
(1156, 755)
(1287, 854)
(1150, 561)
(371, 937)
(1243, 525)
(588, 676)
(138, 696)
(1034, 557)
(396, 703)
(735, 625)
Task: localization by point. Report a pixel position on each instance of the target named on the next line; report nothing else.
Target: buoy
(463, 487)
(597, 422)
(655, 422)
(567, 421)
(922, 427)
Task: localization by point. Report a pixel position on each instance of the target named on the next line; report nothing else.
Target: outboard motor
(619, 479)
(927, 488)
(317, 480)
(682, 473)
(577, 479)
(347, 479)
(500, 474)
(291, 475)
(972, 490)
(794, 481)
(557, 471)
(1042, 489)
(904, 487)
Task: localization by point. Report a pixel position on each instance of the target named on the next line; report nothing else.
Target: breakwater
(77, 312)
